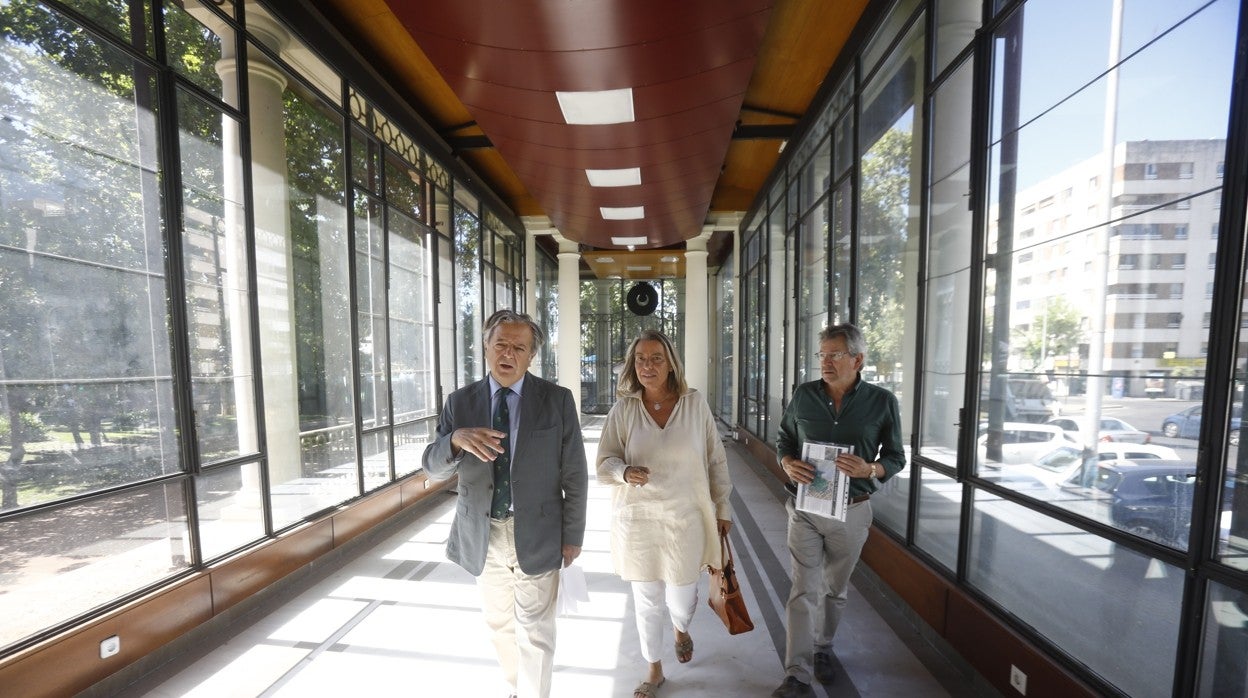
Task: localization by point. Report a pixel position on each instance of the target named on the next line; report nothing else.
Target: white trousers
(654, 604)
(520, 611)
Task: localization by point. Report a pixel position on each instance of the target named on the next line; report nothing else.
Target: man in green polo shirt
(839, 408)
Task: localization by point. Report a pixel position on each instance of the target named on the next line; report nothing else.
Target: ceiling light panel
(598, 107)
(622, 213)
(626, 177)
(640, 240)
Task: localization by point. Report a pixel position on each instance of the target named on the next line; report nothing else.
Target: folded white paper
(572, 589)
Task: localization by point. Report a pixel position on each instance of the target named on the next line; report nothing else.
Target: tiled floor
(399, 619)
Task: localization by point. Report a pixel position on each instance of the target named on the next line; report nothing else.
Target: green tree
(883, 219)
(1055, 332)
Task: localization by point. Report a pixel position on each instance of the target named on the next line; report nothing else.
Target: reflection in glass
(376, 451)
(303, 283)
(1225, 643)
(1113, 609)
(230, 508)
(409, 445)
(468, 290)
(411, 323)
(215, 261)
(886, 244)
(937, 523)
(371, 283)
(195, 47)
(85, 389)
(65, 561)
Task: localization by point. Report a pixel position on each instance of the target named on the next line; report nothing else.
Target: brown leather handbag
(725, 594)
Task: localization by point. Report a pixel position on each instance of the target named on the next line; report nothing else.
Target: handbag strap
(725, 550)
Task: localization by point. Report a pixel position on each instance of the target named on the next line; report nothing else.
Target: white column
(568, 344)
(274, 257)
(274, 267)
(697, 324)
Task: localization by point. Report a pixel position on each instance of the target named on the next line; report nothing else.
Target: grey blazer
(549, 476)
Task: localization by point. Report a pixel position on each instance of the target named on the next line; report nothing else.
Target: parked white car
(1112, 429)
(1022, 442)
(1063, 463)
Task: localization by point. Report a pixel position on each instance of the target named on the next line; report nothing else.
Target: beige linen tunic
(665, 530)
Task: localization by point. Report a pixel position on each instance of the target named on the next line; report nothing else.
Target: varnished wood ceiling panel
(701, 71)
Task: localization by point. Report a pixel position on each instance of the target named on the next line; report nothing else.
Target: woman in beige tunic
(661, 450)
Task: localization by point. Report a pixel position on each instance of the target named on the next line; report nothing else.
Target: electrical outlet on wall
(1018, 680)
(109, 646)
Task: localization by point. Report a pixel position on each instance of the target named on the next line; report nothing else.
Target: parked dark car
(1186, 424)
(1152, 499)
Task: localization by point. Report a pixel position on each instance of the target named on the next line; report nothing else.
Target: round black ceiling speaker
(642, 299)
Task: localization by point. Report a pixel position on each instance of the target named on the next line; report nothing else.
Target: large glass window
(752, 341)
(86, 391)
(303, 264)
(1090, 320)
(467, 297)
(547, 311)
(1082, 602)
(1094, 340)
(411, 321)
(948, 291)
(888, 228)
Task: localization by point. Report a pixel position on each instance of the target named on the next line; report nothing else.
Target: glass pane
(214, 263)
(196, 40)
(409, 445)
(956, 23)
(371, 282)
(364, 156)
(1225, 643)
(812, 291)
(61, 562)
(840, 217)
(448, 307)
(303, 283)
(468, 295)
(1100, 288)
(114, 17)
(298, 55)
(1114, 610)
(940, 511)
(404, 187)
(376, 451)
(230, 508)
(887, 241)
(948, 285)
(85, 395)
(411, 321)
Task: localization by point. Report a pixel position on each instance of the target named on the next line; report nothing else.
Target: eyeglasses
(655, 361)
(834, 355)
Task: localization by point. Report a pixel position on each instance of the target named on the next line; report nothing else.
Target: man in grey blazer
(515, 442)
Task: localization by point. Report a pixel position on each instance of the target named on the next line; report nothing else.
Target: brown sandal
(684, 649)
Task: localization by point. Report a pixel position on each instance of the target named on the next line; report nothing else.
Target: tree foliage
(883, 220)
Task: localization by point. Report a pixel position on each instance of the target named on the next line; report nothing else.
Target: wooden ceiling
(717, 86)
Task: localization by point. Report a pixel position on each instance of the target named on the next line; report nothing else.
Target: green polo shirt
(869, 420)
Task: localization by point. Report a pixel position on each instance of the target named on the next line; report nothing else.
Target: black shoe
(792, 688)
(825, 670)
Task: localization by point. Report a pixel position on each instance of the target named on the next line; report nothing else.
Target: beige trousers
(520, 612)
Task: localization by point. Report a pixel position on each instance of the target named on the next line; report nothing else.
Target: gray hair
(509, 316)
(854, 341)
